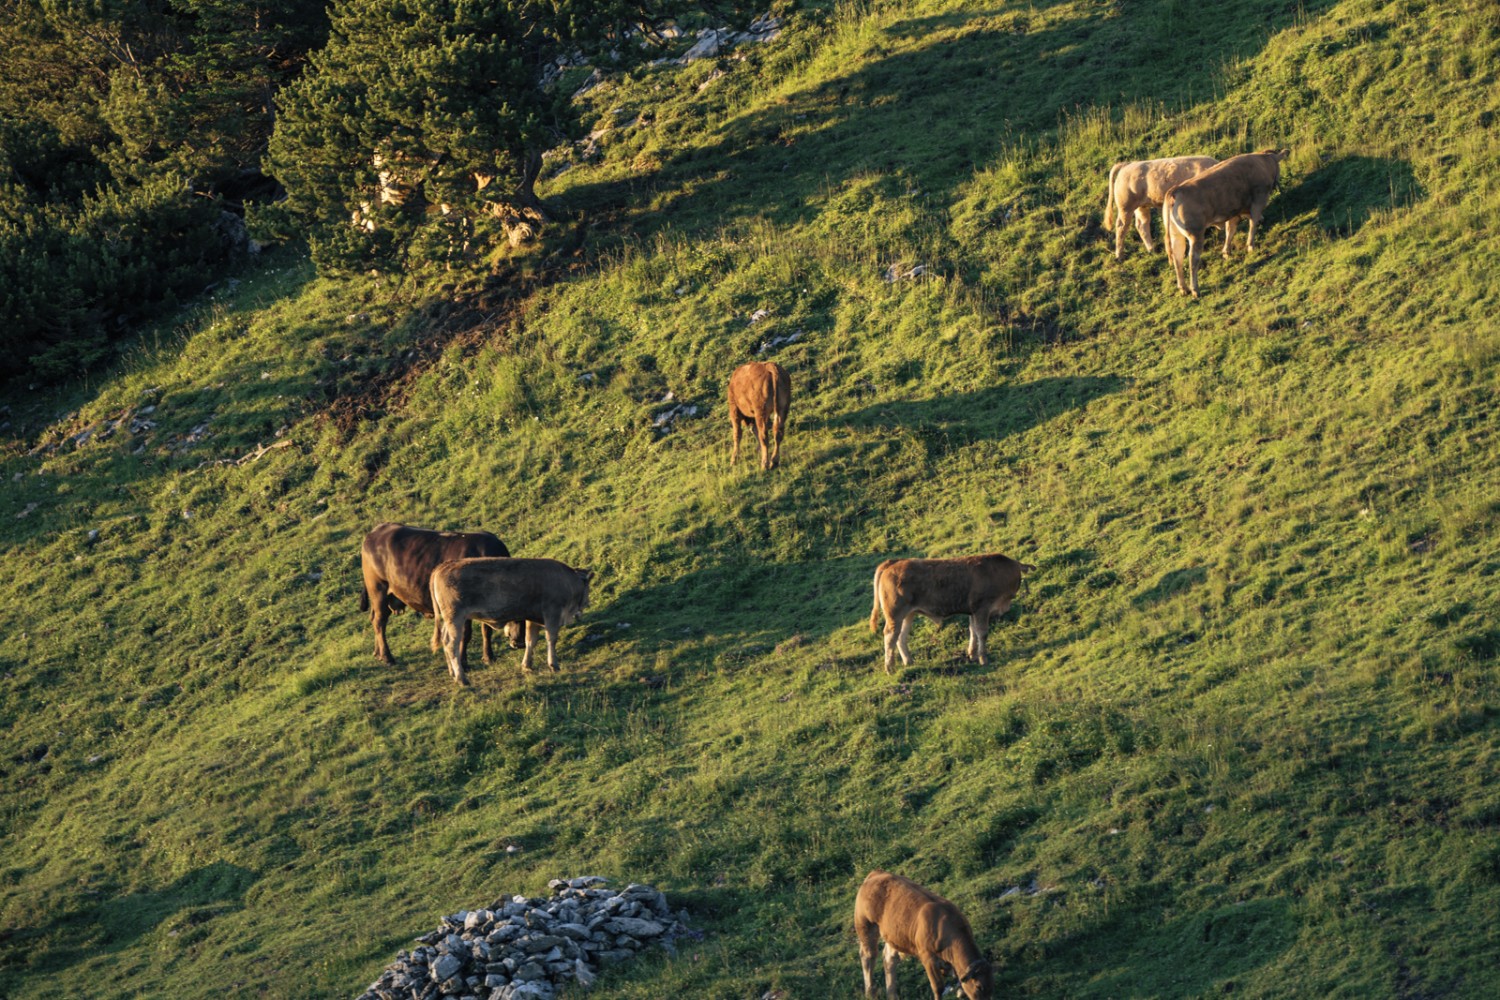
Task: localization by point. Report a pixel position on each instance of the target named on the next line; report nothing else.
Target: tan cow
(913, 920)
(492, 591)
(760, 392)
(1237, 188)
(1138, 187)
(977, 586)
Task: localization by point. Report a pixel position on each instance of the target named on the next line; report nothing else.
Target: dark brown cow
(913, 920)
(761, 393)
(505, 590)
(398, 562)
(1237, 188)
(1138, 187)
(977, 586)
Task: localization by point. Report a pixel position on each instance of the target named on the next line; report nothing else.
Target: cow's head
(978, 981)
(584, 576)
(515, 634)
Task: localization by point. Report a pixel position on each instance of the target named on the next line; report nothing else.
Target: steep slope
(1238, 733)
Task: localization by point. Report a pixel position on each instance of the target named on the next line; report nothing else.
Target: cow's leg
(487, 632)
(934, 967)
(869, 941)
(901, 637)
(890, 639)
(1195, 257)
(1256, 208)
(892, 956)
(979, 628)
(456, 643)
(762, 434)
(1143, 226)
(552, 627)
(1176, 247)
(379, 615)
(734, 435)
(531, 630)
(1229, 227)
(1122, 226)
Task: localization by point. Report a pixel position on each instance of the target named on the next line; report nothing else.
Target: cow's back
(1163, 175)
(910, 916)
(509, 589)
(1228, 189)
(943, 587)
(404, 557)
(760, 387)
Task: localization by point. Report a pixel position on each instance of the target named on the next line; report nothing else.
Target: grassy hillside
(1239, 733)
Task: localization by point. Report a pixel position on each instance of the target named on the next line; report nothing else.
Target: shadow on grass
(80, 936)
(1171, 583)
(1346, 191)
(1198, 954)
(988, 414)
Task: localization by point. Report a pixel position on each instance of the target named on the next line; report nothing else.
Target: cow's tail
(1169, 223)
(1109, 200)
(437, 609)
(778, 419)
(875, 609)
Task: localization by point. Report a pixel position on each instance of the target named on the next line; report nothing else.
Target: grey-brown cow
(535, 591)
(913, 920)
(760, 393)
(978, 586)
(1136, 188)
(1238, 188)
(397, 562)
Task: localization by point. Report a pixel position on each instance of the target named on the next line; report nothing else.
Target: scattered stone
(526, 949)
(899, 272)
(775, 342)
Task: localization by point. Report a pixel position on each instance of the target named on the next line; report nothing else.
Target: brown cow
(1138, 187)
(504, 590)
(398, 562)
(914, 920)
(977, 586)
(1237, 188)
(760, 392)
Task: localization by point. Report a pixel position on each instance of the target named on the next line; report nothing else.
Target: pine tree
(414, 105)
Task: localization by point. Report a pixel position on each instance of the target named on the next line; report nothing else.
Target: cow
(913, 920)
(977, 586)
(491, 591)
(398, 561)
(1237, 188)
(760, 392)
(1138, 187)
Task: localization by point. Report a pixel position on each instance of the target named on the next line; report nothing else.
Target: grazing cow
(977, 586)
(505, 590)
(1237, 188)
(398, 562)
(760, 392)
(913, 920)
(1136, 188)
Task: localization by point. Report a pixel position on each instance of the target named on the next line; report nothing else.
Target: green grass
(1238, 732)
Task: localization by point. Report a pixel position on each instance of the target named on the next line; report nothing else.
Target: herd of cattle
(1194, 193)
(460, 578)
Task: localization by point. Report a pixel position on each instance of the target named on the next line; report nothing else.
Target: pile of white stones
(523, 949)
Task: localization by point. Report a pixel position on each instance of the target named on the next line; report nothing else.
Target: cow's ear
(979, 967)
(585, 574)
